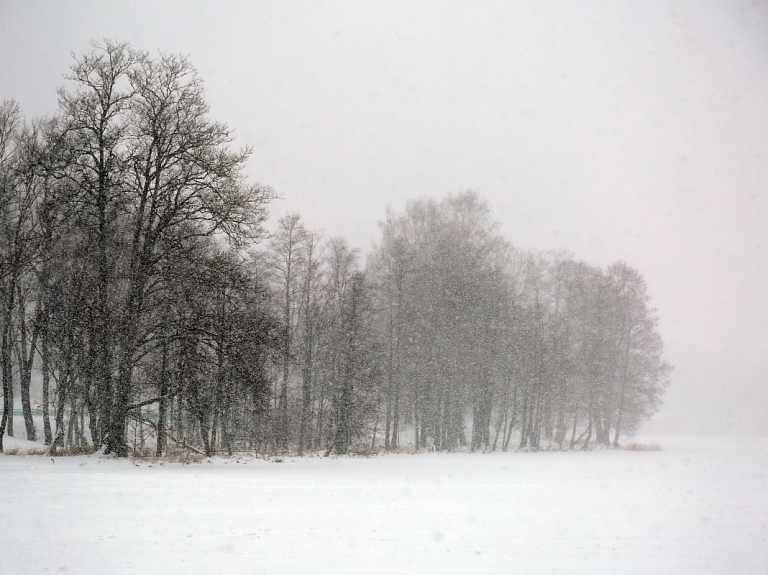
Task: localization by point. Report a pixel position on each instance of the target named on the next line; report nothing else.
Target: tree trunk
(71, 424)
(58, 440)
(116, 439)
(26, 358)
(93, 424)
(512, 419)
(204, 433)
(133, 309)
(306, 399)
(307, 364)
(589, 434)
(6, 424)
(394, 440)
(6, 395)
(46, 386)
(162, 407)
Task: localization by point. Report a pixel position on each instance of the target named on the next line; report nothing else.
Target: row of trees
(525, 342)
(136, 300)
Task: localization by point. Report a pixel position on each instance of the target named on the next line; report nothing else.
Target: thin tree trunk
(204, 434)
(511, 420)
(70, 423)
(6, 385)
(92, 421)
(46, 387)
(58, 440)
(306, 372)
(573, 431)
(395, 439)
(589, 434)
(162, 407)
(215, 424)
(416, 421)
(388, 421)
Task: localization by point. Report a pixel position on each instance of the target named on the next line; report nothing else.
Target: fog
(632, 131)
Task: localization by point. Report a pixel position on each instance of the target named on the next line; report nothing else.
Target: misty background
(633, 131)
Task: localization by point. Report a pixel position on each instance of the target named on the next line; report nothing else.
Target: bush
(642, 447)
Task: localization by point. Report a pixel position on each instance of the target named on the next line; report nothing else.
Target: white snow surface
(698, 507)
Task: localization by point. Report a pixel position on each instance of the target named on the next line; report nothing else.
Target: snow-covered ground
(697, 507)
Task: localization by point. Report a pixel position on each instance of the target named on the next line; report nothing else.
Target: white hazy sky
(618, 130)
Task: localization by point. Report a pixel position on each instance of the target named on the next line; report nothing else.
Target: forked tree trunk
(26, 359)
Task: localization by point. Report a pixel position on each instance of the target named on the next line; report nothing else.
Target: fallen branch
(148, 402)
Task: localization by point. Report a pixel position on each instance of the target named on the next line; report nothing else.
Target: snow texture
(695, 507)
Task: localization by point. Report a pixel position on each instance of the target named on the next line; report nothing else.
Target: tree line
(142, 301)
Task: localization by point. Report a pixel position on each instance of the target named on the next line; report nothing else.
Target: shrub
(642, 447)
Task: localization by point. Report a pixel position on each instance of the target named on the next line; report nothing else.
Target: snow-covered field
(697, 507)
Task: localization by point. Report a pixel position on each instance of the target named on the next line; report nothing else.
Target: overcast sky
(633, 131)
